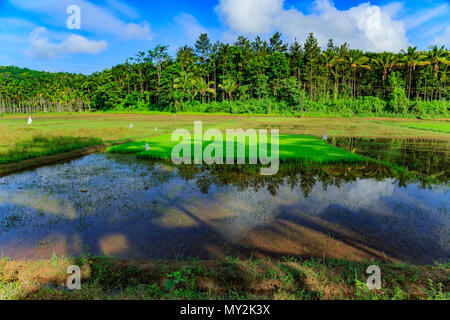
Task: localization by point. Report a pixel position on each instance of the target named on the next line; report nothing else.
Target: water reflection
(426, 157)
(112, 204)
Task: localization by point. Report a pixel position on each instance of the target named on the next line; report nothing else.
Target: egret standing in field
(30, 120)
(156, 129)
(131, 125)
(147, 148)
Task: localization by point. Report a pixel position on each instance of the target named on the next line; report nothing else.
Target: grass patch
(293, 278)
(39, 146)
(438, 126)
(292, 148)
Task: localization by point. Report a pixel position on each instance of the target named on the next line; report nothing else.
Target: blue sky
(33, 33)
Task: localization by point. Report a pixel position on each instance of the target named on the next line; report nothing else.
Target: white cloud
(393, 8)
(94, 18)
(186, 29)
(356, 196)
(366, 26)
(137, 31)
(444, 38)
(41, 47)
(189, 26)
(249, 16)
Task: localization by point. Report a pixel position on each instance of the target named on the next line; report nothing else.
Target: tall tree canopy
(290, 76)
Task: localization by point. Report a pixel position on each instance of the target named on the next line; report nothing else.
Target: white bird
(156, 129)
(147, 148)
(30, 120)
(131, 125)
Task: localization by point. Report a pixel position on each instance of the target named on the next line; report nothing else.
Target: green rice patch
(443, 126)
(292, 148)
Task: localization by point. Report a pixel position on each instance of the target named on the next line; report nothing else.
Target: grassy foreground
(292, 148)
(290, 278)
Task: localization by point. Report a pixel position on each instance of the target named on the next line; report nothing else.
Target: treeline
(26, 91)
(249, 77)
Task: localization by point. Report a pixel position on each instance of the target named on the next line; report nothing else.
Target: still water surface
(115, 205)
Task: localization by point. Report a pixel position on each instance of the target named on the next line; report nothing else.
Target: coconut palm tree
(386, 61)
(356, 60)
(411, 59)
(184, 82)
(436, 56)
(229, 86)
(331, 62)
(203, 87)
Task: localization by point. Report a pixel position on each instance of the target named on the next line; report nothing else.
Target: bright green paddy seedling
(292, 148)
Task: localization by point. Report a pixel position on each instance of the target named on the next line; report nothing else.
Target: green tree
(229, 86)
(185, 82)
(397, 100)
(435, 57)
(411, 59)
(311, 56)
(203, 87)
(386, 61)
(356, 60)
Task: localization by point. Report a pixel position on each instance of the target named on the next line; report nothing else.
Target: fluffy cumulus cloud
(366, 26)
(249, 16)
(42, 47)
(94, 18)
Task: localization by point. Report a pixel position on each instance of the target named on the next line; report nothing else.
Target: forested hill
(17, 73)
(24, 73)
(246, 77)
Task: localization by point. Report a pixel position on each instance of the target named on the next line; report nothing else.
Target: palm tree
(356, 60)
(411, 58)
(229, 86)
(203, 87)
(386, 61)
(332, 61)
(185, 82)
(435, 56)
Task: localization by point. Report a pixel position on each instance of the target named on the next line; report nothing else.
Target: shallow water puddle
(115, 205)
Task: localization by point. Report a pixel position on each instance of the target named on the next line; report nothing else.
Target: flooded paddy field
(116, 205)
(429, 158)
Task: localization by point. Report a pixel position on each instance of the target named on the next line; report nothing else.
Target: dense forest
(246, 77)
